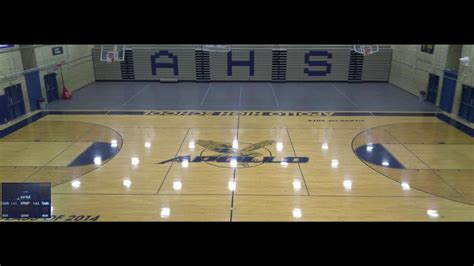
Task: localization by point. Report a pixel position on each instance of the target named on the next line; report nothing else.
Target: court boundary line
(274, 95)
(239, 115)
(229, 110)
(136, 94)
(245, 195)
(262, 113)
(345, 96)
(240, 95)
(251, 128)
(54, 141)
(205, 95)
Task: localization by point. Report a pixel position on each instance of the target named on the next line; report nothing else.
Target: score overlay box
(26, 200)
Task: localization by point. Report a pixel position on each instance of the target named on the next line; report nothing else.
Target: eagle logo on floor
(225, 155)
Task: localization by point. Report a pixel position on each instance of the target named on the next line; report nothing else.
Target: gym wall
(245, 63)
(78, 67)
(19, 60)
(411, 68)
(10, 64)
(465, 78)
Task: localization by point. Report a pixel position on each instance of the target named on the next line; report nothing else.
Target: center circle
(239, 164)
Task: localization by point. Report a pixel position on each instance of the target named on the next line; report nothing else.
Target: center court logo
(222, 154)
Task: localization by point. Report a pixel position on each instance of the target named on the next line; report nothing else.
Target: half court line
(172, 162)
(299, 166)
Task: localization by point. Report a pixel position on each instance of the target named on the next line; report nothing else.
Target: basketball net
(217, 48)
(365, 49)
(58, 65)
(66, 94)
(111, 55)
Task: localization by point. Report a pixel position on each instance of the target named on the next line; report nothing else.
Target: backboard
(112, 53)
(217, 47)
(365, 49)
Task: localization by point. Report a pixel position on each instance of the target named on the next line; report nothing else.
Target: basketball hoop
(217, 48)
(464, 61)
(58, 65)
(112, 56)
(112, 53)
(365, 49)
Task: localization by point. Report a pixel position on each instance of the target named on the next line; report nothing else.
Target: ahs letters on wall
(245, 65)
(313, 59)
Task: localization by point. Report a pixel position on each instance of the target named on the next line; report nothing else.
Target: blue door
(447, 91)
(33, 87)
(466, 108)
(15, 104)
(3, 109)
(51, 85)
(432, 89)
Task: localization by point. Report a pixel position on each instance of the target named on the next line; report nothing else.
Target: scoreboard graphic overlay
(26, 200)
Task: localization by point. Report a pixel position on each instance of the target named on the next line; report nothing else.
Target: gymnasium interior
(236, 132)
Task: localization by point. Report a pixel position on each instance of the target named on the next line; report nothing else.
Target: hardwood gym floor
(246, 166)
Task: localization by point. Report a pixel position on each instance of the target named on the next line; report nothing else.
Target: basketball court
(292, 148)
